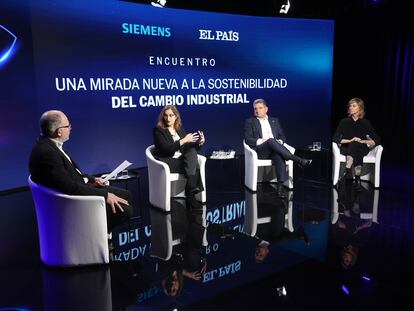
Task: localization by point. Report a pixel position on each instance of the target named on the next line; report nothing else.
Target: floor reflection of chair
(81, 289)
(167, 232)
(252, 219)
(373, 215)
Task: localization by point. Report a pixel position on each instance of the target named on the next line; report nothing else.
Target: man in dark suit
(50, 165)
(265, 135)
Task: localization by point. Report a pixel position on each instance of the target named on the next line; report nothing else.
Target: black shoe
(342, 176)
(281, 193)
(346, 174)
(192, 191)
(304, 162)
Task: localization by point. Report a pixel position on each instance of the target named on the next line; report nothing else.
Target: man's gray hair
(50, 122)
(259, 101)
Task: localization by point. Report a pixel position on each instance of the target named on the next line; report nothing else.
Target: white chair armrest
(335, 149)
(250, 155)
(202, 164)
(377, 152)
(158, 179)
(251, 162)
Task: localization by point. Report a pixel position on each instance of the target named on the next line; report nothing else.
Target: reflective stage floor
(321, 248)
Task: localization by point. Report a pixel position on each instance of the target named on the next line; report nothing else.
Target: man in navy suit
(50, 165)
(265, 135)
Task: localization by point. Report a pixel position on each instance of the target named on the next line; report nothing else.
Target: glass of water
(317, 145)
(124, 174)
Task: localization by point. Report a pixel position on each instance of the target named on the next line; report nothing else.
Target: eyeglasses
(66, 126)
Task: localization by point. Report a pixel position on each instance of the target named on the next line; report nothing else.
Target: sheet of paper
(116, 171)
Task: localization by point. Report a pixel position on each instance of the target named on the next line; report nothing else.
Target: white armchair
(370, 168)
(251, 219)
(256, 170)
(163, 184)
(72, 228)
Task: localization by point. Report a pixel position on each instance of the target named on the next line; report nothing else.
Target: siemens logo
(146, 30)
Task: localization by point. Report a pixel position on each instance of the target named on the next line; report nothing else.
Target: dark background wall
(373, 59)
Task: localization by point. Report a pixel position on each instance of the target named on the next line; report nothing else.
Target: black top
(165, 146)
(362, 128)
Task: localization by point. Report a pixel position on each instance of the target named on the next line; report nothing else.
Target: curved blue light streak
(8, 52)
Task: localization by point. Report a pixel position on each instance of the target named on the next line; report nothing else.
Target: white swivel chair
(370, 168)
(251, 219)
(256, 170)
(163, 184)
(72, 228)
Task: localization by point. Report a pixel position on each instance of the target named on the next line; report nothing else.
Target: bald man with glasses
(51, 165)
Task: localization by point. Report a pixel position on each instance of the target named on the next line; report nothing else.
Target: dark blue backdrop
(83, 40)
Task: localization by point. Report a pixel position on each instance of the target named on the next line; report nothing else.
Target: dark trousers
(187, 164)
(272, 149)
(119, 217)
(356, 150)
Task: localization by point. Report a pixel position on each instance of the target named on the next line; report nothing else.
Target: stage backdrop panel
(112, 65)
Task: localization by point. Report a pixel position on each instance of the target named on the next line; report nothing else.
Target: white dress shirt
(266, 130)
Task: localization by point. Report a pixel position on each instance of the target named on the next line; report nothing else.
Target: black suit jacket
(253, 131)
(165, 146)
(48, 166)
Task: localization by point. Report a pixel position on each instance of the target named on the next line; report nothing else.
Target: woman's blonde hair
(361, 106)
(161, 122)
